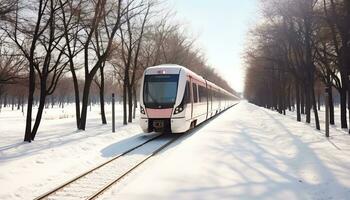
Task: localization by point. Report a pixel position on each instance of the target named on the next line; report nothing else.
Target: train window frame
(187, 93)
(195, 92)
(153, 105)
(203, 94)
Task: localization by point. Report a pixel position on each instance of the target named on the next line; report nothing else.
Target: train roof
(175, 66)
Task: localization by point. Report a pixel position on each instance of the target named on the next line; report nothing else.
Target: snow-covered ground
(336, 132)
(59, 152)
(246, 153)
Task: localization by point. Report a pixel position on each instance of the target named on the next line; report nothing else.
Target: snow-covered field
(337, 134)
(246, 153)
(59, 152)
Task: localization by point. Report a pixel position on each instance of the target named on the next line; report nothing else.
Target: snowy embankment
(59, 152)
(246, 153)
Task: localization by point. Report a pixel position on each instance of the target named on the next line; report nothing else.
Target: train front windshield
(160, 91)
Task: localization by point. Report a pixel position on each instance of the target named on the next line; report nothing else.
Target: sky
(221, 27)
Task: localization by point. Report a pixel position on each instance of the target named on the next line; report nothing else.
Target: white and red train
(175, 99)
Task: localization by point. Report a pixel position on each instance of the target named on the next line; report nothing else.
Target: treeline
(51, 50)
(299, 51)
(13, 96)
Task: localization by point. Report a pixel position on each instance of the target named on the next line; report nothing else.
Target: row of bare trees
(89, 44)
(300, 48)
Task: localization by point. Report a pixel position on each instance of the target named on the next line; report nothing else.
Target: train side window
(187, 97)
(202, 94)
(199, 93)
(195, 93)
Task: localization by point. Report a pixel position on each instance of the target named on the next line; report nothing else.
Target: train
(174, 99)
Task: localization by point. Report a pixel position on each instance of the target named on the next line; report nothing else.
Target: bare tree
(71, 24)
(11, 65)
(7, 7)
(311, 48)
(39, 41)
(114, 13)
(131, 41)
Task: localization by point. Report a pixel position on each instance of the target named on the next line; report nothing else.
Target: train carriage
(175, 99)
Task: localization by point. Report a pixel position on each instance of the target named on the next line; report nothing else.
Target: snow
(92, 182)
(247, 152)
(59, 152)
(336, 132)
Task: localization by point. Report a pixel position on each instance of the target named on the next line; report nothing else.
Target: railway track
(96, 181)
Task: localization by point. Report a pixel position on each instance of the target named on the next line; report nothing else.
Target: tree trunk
(31, 89)
(314, 105)
(318, 101)
(124, 104)
(102, 97)
(19, 103)
(302, 102)
(308, 103)
(130, 103)
(5, 101)
(331, 106)
(0, 102)
(343, 121)
(22, 104)
(76, 89)
(76, 98)
(297, 97)
(135, 102)
(12, 102)
(40, 111)
(85, 103)
(289, 104)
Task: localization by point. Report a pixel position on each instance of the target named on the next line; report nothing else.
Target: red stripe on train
(159, 113)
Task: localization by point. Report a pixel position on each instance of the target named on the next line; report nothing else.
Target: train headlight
(179, 109)
(142, 110)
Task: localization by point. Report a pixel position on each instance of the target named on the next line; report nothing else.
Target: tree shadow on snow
(262, 172)
(53, 140)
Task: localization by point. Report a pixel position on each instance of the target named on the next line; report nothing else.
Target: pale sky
(221, 27)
